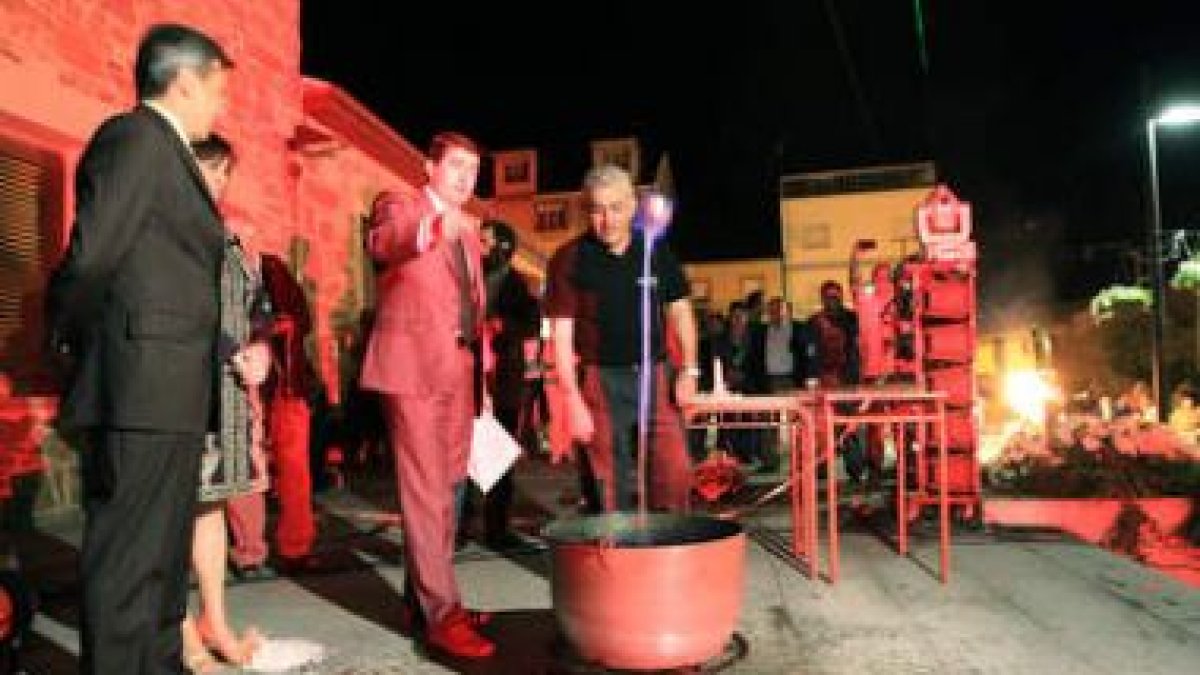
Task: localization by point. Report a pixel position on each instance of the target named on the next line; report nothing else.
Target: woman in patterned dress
(230, 464)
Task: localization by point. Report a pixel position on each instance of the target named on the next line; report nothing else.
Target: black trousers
(497, 503)
(140, 505)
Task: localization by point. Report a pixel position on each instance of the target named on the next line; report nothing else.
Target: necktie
(468, 315)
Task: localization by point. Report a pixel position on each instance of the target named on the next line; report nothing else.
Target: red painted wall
(310, 157)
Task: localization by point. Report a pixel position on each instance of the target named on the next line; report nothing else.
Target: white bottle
(719, 388)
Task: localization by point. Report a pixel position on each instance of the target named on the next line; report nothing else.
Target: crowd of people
(765, 350)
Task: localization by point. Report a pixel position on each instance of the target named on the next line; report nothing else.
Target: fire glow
(1027, 392)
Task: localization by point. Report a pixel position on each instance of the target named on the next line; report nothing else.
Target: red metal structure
(917, 325)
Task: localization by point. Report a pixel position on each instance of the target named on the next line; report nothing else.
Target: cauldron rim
(626, 529)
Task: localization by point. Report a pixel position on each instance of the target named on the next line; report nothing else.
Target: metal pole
(646, 374)
(1157, 284)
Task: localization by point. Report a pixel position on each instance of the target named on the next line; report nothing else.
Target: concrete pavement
(1016, 604)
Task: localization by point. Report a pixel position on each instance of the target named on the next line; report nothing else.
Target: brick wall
(67, 64)
(310, 158)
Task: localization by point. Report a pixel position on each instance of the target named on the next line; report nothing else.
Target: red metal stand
(901, 409)
(917, 325)
(792, 418)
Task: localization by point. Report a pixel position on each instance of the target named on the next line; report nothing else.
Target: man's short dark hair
(443, 141)
(165, 49)
(506, 236)
(212, 148)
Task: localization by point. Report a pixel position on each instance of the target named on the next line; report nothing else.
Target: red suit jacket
(413, 345)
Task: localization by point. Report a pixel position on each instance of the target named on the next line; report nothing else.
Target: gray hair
(168, 47)
(607, 175)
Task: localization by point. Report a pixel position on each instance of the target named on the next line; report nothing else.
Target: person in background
(234, 463)
(834, 358)
(1185, 416)
(593, 299)
(424, 358)
(776, 364)
(513, 320)
(286, 397)
(833, 347)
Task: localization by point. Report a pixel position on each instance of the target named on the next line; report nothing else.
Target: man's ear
(185, 83)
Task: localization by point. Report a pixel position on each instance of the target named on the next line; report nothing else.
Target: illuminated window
(516, 172)
(550, 216)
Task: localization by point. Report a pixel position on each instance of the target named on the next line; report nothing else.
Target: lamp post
(1174, 116)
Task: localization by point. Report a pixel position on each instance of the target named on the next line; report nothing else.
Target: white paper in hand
(493, 451)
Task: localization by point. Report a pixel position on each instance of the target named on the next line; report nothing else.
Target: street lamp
(1174, 116)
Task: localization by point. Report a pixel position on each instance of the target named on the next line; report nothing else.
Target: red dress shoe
(456, 636)
(412, 621)
(479, 618)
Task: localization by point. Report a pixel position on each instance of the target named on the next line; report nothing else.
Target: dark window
(29, 204)
(551, 217)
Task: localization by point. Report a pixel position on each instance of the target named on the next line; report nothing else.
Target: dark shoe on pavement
(305, 564)
(456, 635)
(253, 573)
(511, 541)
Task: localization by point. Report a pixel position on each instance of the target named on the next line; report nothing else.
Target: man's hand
(580, 418)
(685, 387)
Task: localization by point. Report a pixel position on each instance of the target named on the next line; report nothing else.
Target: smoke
(1016, 284)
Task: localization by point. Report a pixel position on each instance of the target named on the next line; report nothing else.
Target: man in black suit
(513, 320)
(133, 308)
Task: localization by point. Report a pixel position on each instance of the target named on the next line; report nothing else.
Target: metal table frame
(795, 425)
(896, 407)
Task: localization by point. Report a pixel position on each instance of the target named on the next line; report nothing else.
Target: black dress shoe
(253, 573)
(305, 564)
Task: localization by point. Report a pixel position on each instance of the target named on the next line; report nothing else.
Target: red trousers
(247, 518)
(611, 394)
(288, 433)
(431, 437)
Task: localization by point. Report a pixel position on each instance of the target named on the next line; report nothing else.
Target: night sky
(1033, 111)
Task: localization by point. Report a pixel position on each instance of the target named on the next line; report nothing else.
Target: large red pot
(647, 592)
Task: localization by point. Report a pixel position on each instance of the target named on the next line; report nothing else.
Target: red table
(898, 407)
(795, 425)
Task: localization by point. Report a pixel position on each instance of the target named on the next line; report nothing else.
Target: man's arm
(580, 418)
(401, 228)
(683, 322)
(115, 186)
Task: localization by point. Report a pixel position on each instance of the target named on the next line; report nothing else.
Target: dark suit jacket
(136, 298)
(510, 301)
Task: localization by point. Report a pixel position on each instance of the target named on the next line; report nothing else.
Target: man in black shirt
(593, 297)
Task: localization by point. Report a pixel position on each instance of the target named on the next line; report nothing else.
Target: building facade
(310, 161)
(716, 284)
(546, 219)
(823, 215)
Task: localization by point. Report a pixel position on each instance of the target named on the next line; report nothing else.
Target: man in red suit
(423, 359)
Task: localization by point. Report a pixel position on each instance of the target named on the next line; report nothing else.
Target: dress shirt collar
(171, 119)
(439, 205)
